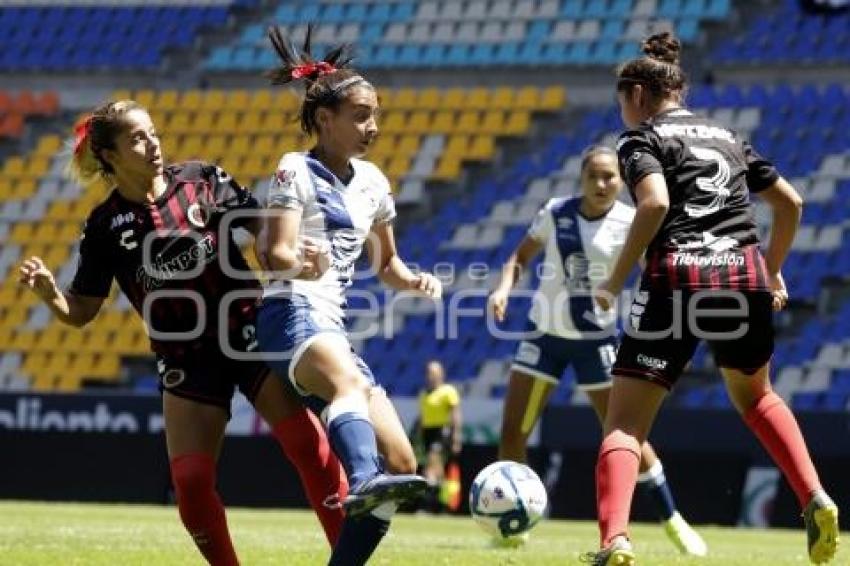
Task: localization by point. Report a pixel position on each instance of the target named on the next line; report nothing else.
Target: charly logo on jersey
(651, 363)
(127, 240)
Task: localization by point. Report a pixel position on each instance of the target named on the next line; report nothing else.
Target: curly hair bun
(663, 47)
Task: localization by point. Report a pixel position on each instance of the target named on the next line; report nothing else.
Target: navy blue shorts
(547, 357)
(286, 326)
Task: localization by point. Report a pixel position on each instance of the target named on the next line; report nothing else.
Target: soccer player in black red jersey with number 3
(691, 180)
(161, 232)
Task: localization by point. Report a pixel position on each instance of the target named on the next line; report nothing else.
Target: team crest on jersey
(197, 215)
(284, 178)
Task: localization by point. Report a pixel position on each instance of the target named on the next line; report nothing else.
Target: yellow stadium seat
(397, 167)
(265, 145)
(57, 255)
(528, 98)
(288, 143)
(37, 166)
(408, 145)
(478, 99)
(97, 340)
(107, 367)
(215, 145)
(285, 100)
(48, 145)
(261, 100)
(22, 340)
(448, 169)
(457, 146)
(191, 100)
(252, 121)
(493, 123)
(192, 147)
(43, 382)
(553, 98)
(35, 363)
(238, 100)
(384, 145)
(273, 123)
(14, 167)
(428, 99)
(72, 341)
(22, 233)
(146, 98)
(257, 166)
(9, 298)
(418, 123)
(45, 232)
(393, 122)
(454, 99)
(405, 99)
(159, 120)
(121, 94)
(25, 188)
(15, 316)
(180, 124)
(241, 145)
(68, 233)
(503, 99)
(233, 165)
(482, 148)
(469, 122)
(213, 100)
(444, 122)
(517, 123)
(167, 100)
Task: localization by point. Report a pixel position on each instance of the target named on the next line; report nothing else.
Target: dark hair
(596, 149)
(94, 133)
(658, 70)
(327, 80)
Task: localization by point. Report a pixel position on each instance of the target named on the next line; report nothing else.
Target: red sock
(193, 476)
(776, 428)
(616, 474)
(305, 443)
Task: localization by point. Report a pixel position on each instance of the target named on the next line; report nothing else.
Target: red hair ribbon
(81, 134)
(308, 69)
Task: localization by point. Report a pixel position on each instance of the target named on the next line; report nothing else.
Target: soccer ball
(507, 499)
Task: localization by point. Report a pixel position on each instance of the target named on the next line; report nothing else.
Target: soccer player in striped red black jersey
(162, 230)
(691, 180)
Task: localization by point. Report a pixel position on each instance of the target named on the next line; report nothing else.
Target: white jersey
(334, 215)
(580, 254)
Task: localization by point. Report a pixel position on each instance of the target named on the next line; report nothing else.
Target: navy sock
(359, 538)
(353, 440)
(655, 485)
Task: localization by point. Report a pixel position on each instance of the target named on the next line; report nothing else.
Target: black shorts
(738, 327)
(437, 438)
(207, 375)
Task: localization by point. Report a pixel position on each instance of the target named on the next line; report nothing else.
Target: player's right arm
(70, 308)
(513, 269)
(279, 244)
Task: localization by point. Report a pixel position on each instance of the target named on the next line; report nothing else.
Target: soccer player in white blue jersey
(327, 204)
(581, 238)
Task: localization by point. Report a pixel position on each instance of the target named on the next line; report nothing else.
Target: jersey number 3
(717, 186)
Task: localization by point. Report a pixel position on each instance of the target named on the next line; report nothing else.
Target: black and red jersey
(169, 251)
(708, 239)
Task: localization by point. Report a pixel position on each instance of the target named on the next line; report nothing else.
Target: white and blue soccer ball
(507, 499)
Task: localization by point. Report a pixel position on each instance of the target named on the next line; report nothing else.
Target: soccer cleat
(821, 518)
(618, 553)
(369, 494)
(684, 537)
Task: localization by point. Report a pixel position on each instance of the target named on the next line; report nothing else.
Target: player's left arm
(389, 267)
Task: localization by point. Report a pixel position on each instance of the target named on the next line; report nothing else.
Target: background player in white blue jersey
(327, 205)
(581, 238)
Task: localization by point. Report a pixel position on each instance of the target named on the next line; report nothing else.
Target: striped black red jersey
(167, 254)
(708, 239)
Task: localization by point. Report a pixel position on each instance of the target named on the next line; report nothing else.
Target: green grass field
(129, 535)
